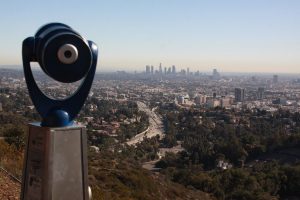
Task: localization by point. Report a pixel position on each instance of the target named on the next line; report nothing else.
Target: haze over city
(233, 36)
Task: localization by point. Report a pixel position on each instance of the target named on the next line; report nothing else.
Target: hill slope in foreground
(118, 180)
(9, 188)
(124, 179)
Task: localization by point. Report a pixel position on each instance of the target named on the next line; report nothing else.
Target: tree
(15, 136)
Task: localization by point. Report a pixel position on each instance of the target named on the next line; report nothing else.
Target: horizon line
(108, 69)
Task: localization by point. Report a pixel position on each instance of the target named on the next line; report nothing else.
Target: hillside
(118, 179)
(9, 188)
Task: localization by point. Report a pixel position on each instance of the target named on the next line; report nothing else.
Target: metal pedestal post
(55, 166)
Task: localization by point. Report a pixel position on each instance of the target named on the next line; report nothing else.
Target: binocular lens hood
(62, 53)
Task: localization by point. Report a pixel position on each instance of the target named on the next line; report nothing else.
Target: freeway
(155, 125)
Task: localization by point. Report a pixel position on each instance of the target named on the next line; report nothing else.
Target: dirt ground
(9, 188)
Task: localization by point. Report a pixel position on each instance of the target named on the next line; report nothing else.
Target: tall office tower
(147, 69)
(183, 72)
(160, 68)
(165, 69)
(215, 75)
(188, 71)
(173, 69)
(239, 94)
(152, 69)
(261, 93)
(275, 78)
(169, 70)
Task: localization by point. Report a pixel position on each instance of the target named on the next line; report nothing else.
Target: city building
(281, 100)
(225, 102)
(160, 68)
(239, 94)
(275, 78)
(181, 100)
(203, 99)
(169, 70)
(214, 95)
(212, 103)
(147, 69)
(152, 69)
(260, 93)
(183, 72)
(197, 100)
(173, 69)
(200, 99)
(215, 75)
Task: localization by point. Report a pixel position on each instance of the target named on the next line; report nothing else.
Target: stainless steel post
(55, 166)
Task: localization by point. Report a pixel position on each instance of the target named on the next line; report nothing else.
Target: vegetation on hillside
(260, 150)
(114, 176)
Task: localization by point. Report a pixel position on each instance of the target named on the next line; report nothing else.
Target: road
(155, 128)
(155, 125)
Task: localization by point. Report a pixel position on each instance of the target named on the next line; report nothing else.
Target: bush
(11, 158)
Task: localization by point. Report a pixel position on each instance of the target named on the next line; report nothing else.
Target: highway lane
(155, 125)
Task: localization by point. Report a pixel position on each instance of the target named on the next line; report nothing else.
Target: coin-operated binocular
(67, 57)
(55, 164)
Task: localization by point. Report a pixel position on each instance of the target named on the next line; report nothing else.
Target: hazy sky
(231, 35)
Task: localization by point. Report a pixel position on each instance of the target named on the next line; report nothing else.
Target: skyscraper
(169, 70)
(215, 75)
(147, 69)
(239, 94)
(173, 69)
(183, 72)
(152, 69)
(160, 68)
(275, 78)
(260, 93)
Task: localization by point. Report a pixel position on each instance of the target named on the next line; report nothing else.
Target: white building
(225, 102)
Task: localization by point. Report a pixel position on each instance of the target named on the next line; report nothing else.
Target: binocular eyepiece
(67, 57)
(62, 53)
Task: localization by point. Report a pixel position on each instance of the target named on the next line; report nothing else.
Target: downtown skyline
(232, 36)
